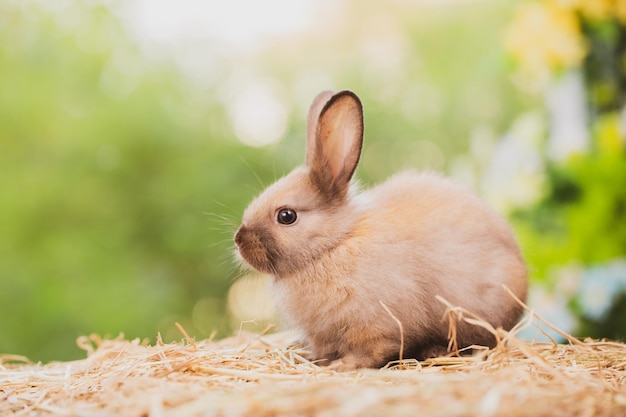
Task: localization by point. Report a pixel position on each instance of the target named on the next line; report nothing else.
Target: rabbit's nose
(239, 236)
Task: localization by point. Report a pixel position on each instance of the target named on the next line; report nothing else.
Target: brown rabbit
(337, 254)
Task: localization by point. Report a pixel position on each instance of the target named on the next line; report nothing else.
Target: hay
(267, 375)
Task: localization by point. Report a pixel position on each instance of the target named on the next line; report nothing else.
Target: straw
(269, 375)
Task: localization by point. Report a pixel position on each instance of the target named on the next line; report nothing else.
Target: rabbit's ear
(314, 114)
(335, 141)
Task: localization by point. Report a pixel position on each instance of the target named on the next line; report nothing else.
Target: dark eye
(286, 216)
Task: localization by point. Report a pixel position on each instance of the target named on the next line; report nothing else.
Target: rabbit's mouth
(254, 245)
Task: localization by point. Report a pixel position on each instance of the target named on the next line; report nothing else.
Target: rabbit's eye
(286, 216)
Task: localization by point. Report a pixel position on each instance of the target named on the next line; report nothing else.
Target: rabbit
(348, 265)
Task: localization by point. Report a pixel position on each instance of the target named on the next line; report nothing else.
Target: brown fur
(402, 242)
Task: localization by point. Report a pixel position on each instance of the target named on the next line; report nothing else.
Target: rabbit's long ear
(314, 115)
(334, 141)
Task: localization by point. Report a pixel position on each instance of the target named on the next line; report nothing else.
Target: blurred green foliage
(581, 216)
(109, 193)
(575, 235)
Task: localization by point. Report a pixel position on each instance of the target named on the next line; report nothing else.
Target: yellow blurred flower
(620, 11)
(610, 137)
(596, 9)
(545, 37)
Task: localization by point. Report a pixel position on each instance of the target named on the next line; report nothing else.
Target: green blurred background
(134, 133)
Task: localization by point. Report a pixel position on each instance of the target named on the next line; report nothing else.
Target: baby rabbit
(339, 256)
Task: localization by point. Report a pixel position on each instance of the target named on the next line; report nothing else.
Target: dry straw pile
(266, 375)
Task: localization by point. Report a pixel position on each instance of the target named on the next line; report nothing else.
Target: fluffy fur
(402, 242)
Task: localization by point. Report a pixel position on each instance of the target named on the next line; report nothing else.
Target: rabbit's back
(434, 237)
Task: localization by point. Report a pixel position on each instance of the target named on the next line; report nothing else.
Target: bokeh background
(134, 133)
